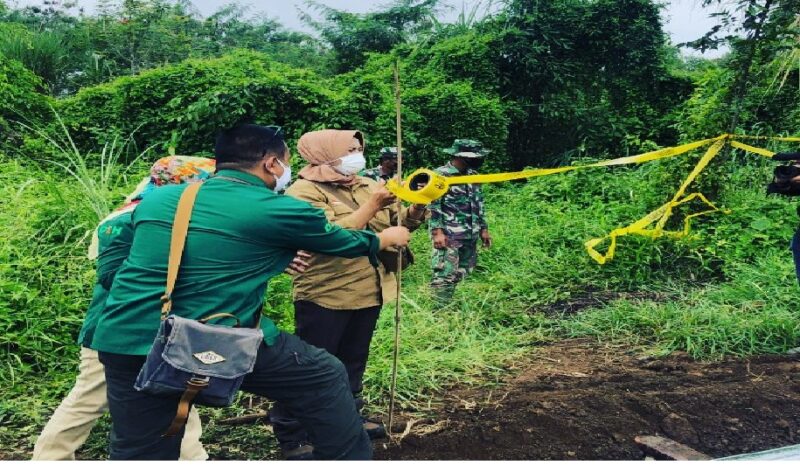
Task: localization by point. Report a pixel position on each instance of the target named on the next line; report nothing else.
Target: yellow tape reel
(422, 187)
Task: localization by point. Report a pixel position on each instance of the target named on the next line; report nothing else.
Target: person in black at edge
(791, 181)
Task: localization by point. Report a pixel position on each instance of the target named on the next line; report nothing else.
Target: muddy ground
(574, 399)
(578, 400)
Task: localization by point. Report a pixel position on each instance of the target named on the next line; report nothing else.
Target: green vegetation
(541, 83)
(727, 290)
(20, 99)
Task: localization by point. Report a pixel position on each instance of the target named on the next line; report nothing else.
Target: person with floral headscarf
(337, 300)
(73, 420)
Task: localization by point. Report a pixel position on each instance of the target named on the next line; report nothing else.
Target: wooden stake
(399, 271)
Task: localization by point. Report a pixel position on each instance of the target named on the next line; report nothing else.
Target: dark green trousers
(310, 382)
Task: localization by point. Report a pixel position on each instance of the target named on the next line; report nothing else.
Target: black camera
(782, 181)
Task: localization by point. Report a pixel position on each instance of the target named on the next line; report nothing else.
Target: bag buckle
(198, 382)
(193, 386)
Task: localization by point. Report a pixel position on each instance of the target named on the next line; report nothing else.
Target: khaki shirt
(341, 283)
(241, 236)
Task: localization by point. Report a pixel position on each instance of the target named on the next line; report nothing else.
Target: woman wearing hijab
(73, 420)
(337, 301)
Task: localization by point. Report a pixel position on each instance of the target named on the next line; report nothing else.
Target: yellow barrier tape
(779, 139)
(662, 214)
(437, 185)
(701, 165)
(640, 227)
(751, 149)
(424, 186)
(634, 159)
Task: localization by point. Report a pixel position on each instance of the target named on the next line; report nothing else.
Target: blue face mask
(283, 180)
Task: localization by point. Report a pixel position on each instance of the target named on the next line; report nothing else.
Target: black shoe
(297, 451)
(374, 428)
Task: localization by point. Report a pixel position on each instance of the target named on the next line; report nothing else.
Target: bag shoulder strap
(180, 227)
(327, 188)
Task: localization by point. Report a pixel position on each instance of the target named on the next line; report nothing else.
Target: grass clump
(754, 313)
(46, 218)
(727, 290)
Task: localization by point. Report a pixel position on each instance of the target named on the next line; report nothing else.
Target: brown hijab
(322, 150)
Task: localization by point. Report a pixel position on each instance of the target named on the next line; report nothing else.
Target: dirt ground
(574, 399)
(578, 400)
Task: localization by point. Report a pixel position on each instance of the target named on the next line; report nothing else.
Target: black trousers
(311, 383)
(345, 334)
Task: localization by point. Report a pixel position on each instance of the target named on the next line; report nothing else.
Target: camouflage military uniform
(387, 153)
(375, 174)
(461, 214)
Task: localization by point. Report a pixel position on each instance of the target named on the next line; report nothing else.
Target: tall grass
(46, 217)
(98, 175)
(43, 282)
(727, 290)
(756, 312)
(788, 61)
(44, 53)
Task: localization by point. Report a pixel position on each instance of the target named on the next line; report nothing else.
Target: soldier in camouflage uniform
(458, 221)
(387, 167)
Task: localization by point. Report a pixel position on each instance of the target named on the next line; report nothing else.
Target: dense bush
(40, 52)
(21, 100)
(435, 109)
(525, 83)
(186, 104)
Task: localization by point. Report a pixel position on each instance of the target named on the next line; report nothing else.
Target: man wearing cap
(458, 221)
(387, 167)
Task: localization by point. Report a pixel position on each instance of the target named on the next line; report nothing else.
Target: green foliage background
(540, 83)
(20, 99)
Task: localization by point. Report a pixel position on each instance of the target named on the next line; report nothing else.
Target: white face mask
(351, 164)
(283, 180)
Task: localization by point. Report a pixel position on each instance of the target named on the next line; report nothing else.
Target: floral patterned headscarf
(174, 169)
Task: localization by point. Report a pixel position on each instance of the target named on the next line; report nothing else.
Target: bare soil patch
(579, 400)
(593, 299)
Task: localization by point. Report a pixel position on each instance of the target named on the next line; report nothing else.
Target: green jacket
(118, 224)
(241, 235)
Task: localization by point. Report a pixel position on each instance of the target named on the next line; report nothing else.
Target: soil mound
(578, 400)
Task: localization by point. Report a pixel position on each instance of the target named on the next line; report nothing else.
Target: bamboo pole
(399, 271)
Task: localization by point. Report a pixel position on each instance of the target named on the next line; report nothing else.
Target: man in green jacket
(241, 235)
